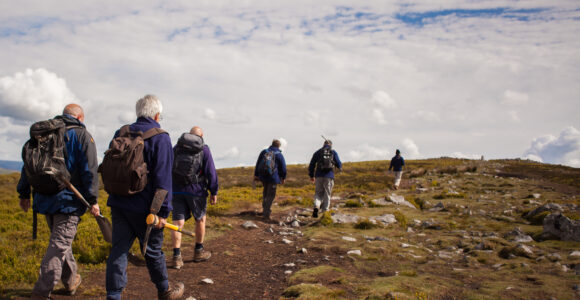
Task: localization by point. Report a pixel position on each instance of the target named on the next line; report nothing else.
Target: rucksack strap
(153, 132)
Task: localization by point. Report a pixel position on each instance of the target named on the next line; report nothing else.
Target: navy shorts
(185, 205)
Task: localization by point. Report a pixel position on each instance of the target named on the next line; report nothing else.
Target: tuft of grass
(365, 224)
(326, 219)
(311, 291)
(353, 203)
(401, 219)
(539, 218)
(312, 275)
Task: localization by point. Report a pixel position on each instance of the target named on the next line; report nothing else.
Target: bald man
(194, 178)
(62, 209)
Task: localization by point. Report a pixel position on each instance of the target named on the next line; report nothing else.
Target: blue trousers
(126, 227)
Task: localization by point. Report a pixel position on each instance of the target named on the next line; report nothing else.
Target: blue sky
(445, 78)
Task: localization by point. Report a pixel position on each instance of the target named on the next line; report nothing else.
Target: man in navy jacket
(270, 182)
(191, 199)
(324, 178)
(130, 212)
(397, 163)
(63, 210)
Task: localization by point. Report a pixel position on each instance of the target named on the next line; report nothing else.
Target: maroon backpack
(123, 169)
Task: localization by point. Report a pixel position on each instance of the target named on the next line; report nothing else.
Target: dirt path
(245, 264)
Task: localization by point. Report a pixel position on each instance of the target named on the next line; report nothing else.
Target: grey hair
(148, 106)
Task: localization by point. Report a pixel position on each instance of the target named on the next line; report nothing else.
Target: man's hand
(25, 204)
(95, 210)
(161, 223)
(213, 199)
(312, 179)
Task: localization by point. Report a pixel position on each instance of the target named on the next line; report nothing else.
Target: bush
(353, 203)
(365, 224)
(401, 219)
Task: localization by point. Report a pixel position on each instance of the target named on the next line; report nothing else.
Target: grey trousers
(268, 196)
(323, 192)
(58, 262)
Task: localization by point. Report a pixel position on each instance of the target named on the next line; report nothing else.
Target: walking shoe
(71, 290)
(201, 255)
(177, 262)
(315, 213)
(173, 292)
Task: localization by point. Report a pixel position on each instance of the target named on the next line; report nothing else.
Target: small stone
(290, 265)
(288, 272)
(554, 257)
(270, 230)
(574, 254)
(536, 195)
(190, 298)
(249, 225)
(326, 258)
(295, 224)
(269, 242)
(303, 251)
(354, 252)
(285, 241)
(207, 281)
(348, 238)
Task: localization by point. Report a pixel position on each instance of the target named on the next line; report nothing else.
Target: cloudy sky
(432, 78)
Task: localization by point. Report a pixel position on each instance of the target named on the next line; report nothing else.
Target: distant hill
(6, 171)
(11, 165)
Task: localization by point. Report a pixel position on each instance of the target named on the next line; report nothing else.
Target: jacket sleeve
(391, 165)
(210, 172)
(281, 163)
(257, 162)
(337, 160)
(161, 165)
(88, 166)
(312, 164)
(23, 187)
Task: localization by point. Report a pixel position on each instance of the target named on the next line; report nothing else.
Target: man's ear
(157, 117)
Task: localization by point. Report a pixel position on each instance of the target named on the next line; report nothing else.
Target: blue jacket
(158, 154)
(320, 173)
(397, 163)
(211, 179)
(278, 176)
(81, 162)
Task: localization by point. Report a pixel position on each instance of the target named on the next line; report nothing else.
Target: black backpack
(123, 169)
(188, 160)
(326, 160)
(267, 164)
(44, 157)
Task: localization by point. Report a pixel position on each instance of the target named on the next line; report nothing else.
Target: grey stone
(574, 254)
(249, 225)
(354, 252)
(285, 241)
(400, 200)
(348, 238)
(385, 219)
(518, 236)
(289, 265)
(303, 250)
(380, 202)
(344, 218)
(207, 281)
(295, 223)
(552, 207)
(288, 272)
(561, 226)
(554, 257)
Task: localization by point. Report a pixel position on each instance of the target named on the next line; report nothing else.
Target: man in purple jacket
(130, 212)
(194, 174)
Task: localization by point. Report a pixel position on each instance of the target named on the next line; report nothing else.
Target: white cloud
(409, 149)
(564, 149)
(383, 100)
(367, 152)
(209, 114)
(514, 117)
(378, 116)
(33, 95)
(514, 98)
(428, 116)
(230, 153)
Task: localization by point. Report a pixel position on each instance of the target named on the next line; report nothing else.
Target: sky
(454, 78)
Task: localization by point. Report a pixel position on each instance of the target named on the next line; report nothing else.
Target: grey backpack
(188, 160)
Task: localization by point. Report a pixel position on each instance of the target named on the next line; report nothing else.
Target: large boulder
(561, 226)
(551, 207)
(400, 200)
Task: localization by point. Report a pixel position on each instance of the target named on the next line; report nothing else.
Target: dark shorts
(186, 205)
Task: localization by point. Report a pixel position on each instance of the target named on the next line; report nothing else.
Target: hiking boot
(173, 292)
(177, 262)
(201, 255)
(315, 213)
(71, 290)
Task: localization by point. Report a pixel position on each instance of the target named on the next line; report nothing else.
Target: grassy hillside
(453, 253)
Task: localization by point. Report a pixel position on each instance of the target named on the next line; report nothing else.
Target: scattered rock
(287, 242)
(385, 219)
(354, 252)
(344, 218)
(190, 298)
(249, 225)
(574, 254)
(431, 225)
(380, 202)
(552, 207)
(288, 272)
(400, 200)
(561, 226)
(303, 250)
(295, 223)
(518, 236)
(536, 195)
(348, 238)
(269, 242)
(207, 281)
(519, 250)
(445, 255)
(270, 230)
(438, 207)
(288, 265)
(554, 257)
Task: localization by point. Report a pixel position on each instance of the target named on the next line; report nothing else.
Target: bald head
(197, 131)
(74, 110)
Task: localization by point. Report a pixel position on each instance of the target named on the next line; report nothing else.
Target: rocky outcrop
(562, 227)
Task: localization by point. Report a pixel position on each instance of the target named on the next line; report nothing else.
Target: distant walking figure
(271, 171)
(321, 167)
(397, 163)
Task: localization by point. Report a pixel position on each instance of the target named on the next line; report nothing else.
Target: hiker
(194, 174)
(397, 163)
(270, 170)
(129, 212)
(62, 208)
(322, 167)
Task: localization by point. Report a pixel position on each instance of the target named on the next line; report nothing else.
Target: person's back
(397, 163)
(271, 179)
(321, 173)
